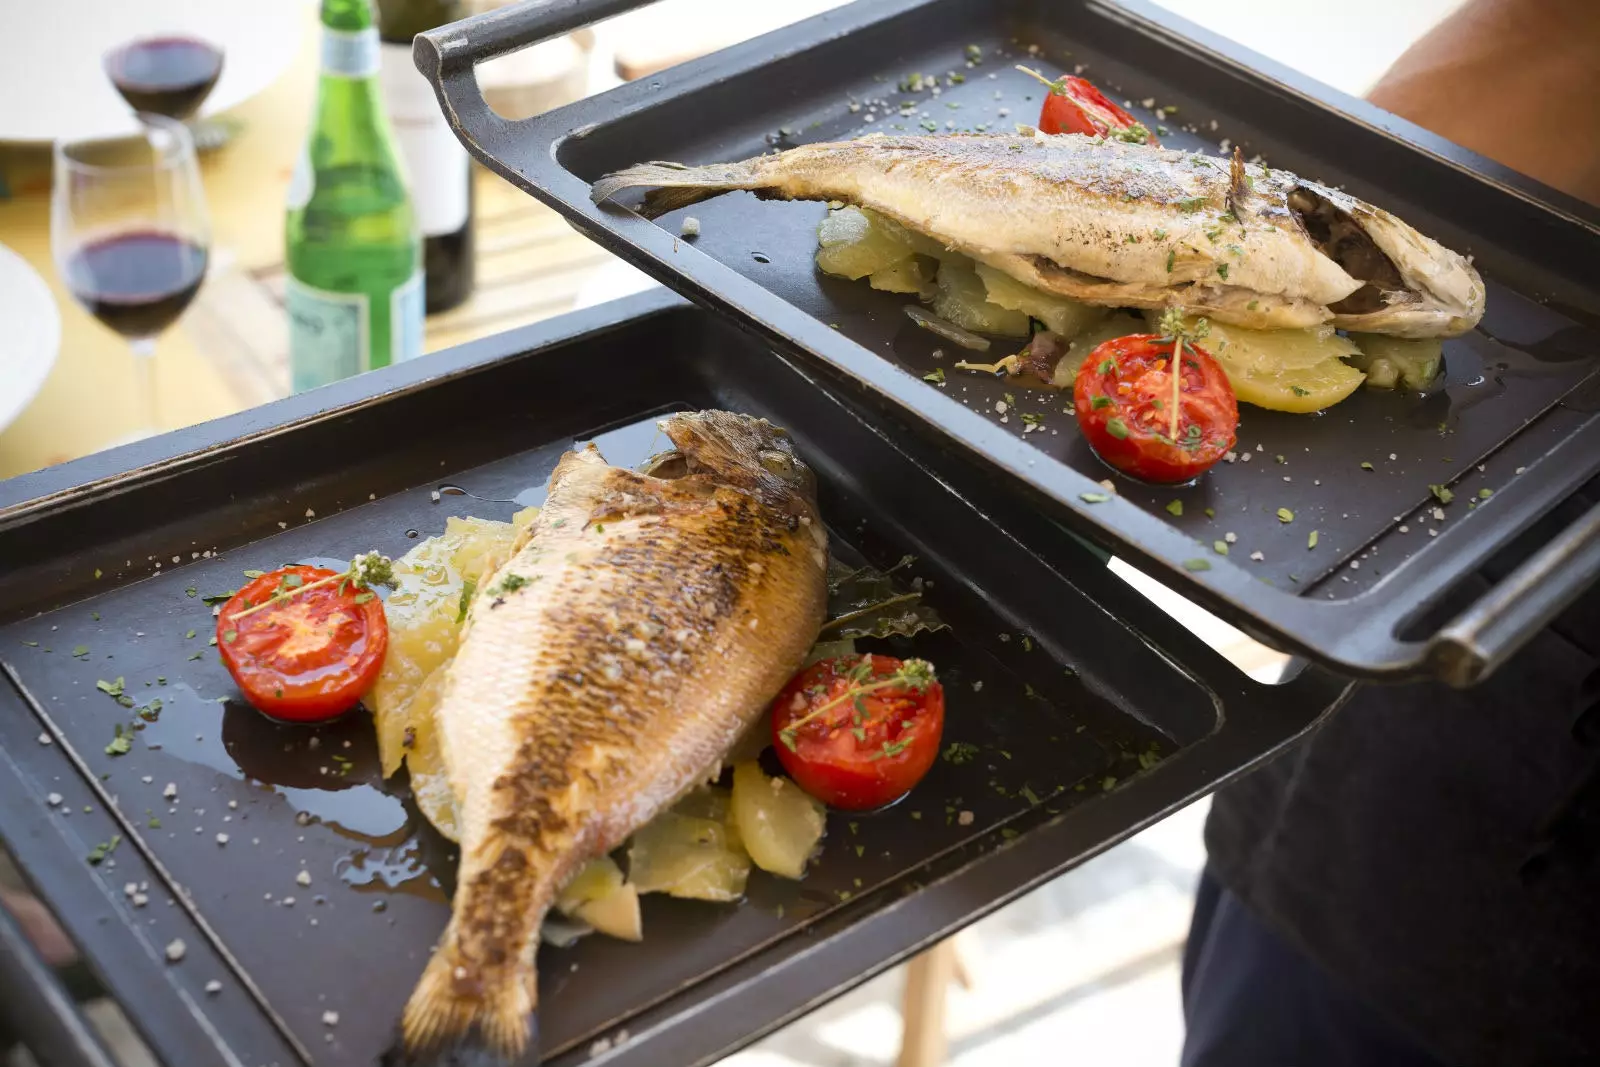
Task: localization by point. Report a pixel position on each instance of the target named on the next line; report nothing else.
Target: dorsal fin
(1238, 185)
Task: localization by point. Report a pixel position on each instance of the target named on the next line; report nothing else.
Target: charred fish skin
(640, 625)
(1123, 225)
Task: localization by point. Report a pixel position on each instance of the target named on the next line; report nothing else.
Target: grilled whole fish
(641, 623)
(1122, 225)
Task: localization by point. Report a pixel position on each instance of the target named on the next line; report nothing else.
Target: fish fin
(673, 185)
(1238, 184)
(491, 1024)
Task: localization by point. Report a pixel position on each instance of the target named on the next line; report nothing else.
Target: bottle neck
(347, 14)
(349, 39)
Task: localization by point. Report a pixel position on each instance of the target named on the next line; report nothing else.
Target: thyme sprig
(365, 571)
(914, 674)
(1174, 327)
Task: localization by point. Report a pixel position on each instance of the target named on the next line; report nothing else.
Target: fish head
(741, 451)
(1411, 285)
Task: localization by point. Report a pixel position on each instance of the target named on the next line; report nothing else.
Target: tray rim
(1357, 635)
(1265, 718)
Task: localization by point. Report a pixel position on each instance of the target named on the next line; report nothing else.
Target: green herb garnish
(1285, 515)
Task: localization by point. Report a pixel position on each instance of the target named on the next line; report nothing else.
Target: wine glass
(168, 75)
(130, 237)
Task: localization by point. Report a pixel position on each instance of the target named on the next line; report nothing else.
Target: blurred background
(1087, 966)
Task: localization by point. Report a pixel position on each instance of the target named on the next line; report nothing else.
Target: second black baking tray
(1511, 431)
(1093, 713)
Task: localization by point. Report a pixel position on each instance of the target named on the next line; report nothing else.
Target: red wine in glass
(137, 282)
(169, 76)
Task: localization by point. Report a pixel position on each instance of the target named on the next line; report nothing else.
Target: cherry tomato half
(307, 657)
(1123, 397)
(1074, 105)
(858, 732)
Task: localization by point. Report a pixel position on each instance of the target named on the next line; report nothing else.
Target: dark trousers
(1252, 1000)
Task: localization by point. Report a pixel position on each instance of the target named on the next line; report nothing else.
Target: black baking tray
(1068, 681)
(1516, 417)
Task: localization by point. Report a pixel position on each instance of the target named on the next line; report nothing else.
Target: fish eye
(779, 463)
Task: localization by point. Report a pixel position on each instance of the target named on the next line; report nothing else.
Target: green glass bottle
(355, 288)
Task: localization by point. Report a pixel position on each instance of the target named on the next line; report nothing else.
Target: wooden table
(230, 350)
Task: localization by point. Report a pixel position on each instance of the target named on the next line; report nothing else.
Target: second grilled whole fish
(641, 623)
(1122, 225)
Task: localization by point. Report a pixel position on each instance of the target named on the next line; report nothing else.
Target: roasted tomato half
(310, 653)
(857, 732)
(1125, 398)
(1074, 105)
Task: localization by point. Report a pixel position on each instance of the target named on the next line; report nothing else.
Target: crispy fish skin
(640, 625)
(1124, 225)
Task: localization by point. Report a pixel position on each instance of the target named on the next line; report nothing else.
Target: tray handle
(1484, 636)
(448, 55)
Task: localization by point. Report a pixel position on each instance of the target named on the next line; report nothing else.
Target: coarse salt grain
(175, 950)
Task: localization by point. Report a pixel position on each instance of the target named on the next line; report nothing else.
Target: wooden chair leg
(928, 976)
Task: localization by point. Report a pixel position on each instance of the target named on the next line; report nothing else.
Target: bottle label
(328, 335)
(436, 163)
(405, 319)
(350, 53)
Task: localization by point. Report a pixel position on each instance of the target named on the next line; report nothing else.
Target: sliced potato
(599, 896)
(1381, 374)
(424, 616)
(687, 856)
(430, 785)
(616, 914)
(914, 274)
(779, 823)
(1297, 371)
(1119, 325)
(962, 299)
(1416, 364)
(1060, 315)
(856, 243)
(484, 545)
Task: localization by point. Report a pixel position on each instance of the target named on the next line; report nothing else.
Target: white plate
(54, 49)
(30, 334)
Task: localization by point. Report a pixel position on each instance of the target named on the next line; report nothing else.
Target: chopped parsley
(1196, 564)
(1222, 271)
(1101, 402)
(1191, 204)
(1299, 391)
(959, 752)
(509, 584)
(1117, 428)
(1175, 508)
(1172, 257)
(1311, 542)
(110, 689)
(98, 854)
(936, 376)
(1442, 493)
(1285, 515)
(1220, 547)
(1093, 498)
(1366, 466)
(121, 743)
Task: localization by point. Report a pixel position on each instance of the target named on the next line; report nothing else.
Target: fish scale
(638, 628)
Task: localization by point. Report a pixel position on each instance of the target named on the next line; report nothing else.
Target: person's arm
(1515, 80)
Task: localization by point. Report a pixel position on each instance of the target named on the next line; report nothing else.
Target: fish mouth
(1344, 240)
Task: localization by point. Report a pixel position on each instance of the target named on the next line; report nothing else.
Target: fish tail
(454, 1021)
(674, 185)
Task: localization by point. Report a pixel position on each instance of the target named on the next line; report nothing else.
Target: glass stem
(144, 384)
